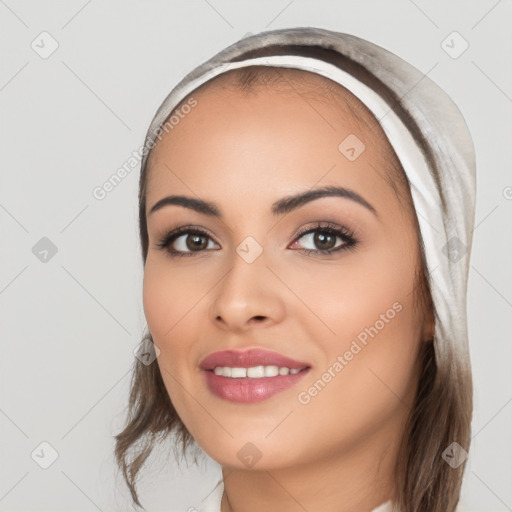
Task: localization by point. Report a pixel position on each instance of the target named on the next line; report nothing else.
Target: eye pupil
(196, 242)
(324, 241)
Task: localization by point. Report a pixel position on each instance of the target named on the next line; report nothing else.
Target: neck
(353, 480)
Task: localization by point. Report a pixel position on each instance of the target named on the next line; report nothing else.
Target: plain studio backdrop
(79, 85)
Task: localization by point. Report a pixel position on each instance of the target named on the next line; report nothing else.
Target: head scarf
(424, 126)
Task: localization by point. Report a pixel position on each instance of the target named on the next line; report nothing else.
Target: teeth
(254, 372)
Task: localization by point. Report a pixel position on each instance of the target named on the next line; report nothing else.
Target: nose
(249, 295)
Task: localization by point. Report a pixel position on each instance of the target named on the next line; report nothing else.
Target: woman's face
(254, 280)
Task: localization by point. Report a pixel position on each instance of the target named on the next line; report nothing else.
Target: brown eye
(320, 240)
(195, 242)
(187, 242)
(324, 239)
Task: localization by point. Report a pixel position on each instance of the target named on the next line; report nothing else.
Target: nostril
(260, 318)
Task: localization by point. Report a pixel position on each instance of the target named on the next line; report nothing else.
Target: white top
(212, 502)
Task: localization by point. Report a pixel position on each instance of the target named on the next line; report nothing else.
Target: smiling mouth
(243, 389)
(255, 372)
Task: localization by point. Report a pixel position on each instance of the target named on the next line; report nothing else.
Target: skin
(243, 152)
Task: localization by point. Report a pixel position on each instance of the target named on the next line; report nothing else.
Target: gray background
(69, 324)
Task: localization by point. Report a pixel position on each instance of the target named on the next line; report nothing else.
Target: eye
(186, 241)
(325, 238)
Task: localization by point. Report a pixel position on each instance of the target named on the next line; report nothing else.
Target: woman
(306, 212)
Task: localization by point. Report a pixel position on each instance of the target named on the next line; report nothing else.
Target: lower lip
(247, 390)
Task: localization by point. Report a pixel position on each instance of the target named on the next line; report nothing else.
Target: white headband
(436, 153)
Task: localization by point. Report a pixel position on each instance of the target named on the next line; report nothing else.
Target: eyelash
(328, 228)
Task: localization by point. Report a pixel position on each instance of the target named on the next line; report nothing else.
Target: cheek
(176, 310)
(376, 311)
(168, 297)
(341, 298)
(367, 304)
(165, 308)
(169, 308)
(157, 301)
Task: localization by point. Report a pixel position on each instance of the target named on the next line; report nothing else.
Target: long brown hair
(442, 410)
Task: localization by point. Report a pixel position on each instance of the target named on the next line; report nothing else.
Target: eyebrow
(280, 207)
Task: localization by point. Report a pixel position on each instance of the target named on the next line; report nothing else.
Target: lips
(249, 358)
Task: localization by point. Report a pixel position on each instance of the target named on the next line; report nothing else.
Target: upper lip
(248, 358)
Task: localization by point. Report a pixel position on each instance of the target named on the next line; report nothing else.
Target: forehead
(262, 85)
(278, 83)
(286, 135)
